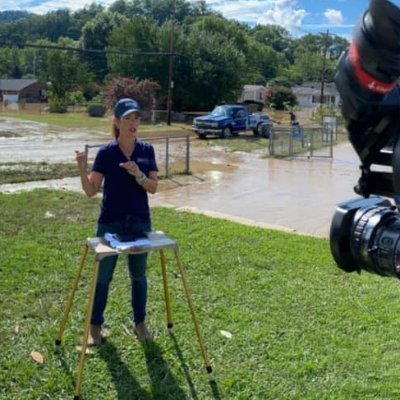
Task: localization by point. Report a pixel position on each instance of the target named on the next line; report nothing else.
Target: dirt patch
(299, 195)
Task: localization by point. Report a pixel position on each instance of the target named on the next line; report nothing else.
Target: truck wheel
(201, 135)
(266, 131)
(226, 133)
(258, 130)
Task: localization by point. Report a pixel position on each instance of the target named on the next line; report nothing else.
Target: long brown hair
(115, 129)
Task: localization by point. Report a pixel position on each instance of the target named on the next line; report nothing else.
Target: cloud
(15, 4)
(334, 17)
(43, 7)
(283, 13)
(275, 12)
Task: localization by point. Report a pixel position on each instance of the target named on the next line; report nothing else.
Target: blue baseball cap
(124, 107)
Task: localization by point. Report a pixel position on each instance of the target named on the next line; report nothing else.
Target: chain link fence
(305, 141)
(172, 154)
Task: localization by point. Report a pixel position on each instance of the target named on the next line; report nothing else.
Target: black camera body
(365, 232)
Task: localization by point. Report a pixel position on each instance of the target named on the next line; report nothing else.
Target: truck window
(220, 112)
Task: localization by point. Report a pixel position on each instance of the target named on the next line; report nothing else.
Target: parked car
(228, 120)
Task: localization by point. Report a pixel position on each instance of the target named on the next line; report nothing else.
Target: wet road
(297, 195)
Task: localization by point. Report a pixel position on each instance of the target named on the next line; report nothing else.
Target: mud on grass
(18, 172)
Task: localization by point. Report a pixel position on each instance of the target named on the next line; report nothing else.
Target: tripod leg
(86, 331)
(196, 323)
(166, 292)
(71, 296)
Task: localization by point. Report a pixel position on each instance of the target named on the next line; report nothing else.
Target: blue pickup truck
(228, 120)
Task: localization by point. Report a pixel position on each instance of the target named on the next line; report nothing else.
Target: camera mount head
(366, 79)
(365, 233)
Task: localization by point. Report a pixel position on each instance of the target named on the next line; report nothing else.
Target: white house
(252, 94)
(309, 94)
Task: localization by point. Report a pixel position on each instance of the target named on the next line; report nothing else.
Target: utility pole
(171, 65)
(325, 51)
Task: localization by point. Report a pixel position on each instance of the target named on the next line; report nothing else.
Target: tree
(280, 97)
(217, 70)
(276, 37)
(65, 72)
(334, 45)
(8, 61)
(142, 91)
(13, 15)
(263, 61)
(141, 39)
(96, 36)
(161, 10)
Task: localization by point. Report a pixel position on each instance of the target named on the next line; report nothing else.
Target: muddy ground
(297, 195)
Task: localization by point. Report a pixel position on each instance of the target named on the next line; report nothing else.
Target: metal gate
(172, 154)
(303, 141)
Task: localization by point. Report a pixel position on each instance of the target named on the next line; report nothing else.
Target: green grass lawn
(67, 120)
(245, 143)
(83, 120)
(301, 328)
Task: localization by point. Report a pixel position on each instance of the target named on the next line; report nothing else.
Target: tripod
(155, 241)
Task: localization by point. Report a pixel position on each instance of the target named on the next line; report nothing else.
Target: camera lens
(365, 235)
(375, 240)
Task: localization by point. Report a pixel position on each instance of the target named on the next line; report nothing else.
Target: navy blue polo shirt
(122, 195)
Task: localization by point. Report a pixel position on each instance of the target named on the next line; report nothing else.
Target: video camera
(365, 232)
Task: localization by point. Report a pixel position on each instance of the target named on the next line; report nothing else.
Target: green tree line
(213, 56)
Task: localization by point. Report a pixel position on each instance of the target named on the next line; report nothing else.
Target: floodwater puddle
(299, 195)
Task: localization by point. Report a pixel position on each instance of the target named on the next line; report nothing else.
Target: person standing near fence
(293, 118)
(128, 168)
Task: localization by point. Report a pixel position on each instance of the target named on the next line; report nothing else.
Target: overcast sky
(297, 16)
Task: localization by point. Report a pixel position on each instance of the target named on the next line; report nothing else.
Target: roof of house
(314, 88)
(15, 84)
(253, 87)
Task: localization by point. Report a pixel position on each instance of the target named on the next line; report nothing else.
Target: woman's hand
(132, 168)
(90, 183)
(81, 159)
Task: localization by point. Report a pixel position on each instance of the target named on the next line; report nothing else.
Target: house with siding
(309, 94)
(15, 90)
(252, 94)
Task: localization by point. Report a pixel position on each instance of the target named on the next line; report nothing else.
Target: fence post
(86, 156)
(312, 143)
(167, 157)
(291, 133)
(271, 141)
(187, 154)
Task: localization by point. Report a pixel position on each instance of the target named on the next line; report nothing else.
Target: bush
(281, 98)
(96, 109)
(76, 98)
(57, 105)
(143, 91)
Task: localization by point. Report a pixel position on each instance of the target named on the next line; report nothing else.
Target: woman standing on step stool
(129, 171)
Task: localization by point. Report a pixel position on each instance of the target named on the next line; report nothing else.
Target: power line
(79, 50)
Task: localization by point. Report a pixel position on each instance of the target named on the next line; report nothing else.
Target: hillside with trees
(213, 57)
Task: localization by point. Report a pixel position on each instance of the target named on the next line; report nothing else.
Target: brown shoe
(94, 338)
(143, 332)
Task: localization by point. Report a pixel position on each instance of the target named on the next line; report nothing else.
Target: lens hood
(386, 21)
